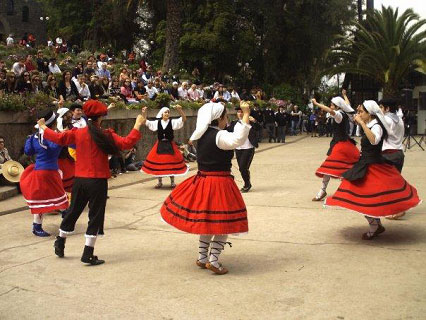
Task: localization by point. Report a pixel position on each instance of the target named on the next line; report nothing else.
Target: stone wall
(11, 20)
(15, 127)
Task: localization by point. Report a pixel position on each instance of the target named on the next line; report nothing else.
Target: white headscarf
(206, 114)
(338, 101)
(40, 135)
(373, 108)
(61, 113)
(160, 113)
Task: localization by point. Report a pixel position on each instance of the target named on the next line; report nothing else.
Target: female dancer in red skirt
(91, 173)
(41, 183)
(209, 203)
(373, 187)
(343, 153)
(165, 159)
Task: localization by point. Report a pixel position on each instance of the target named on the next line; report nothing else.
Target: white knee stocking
(90, 240)
(203, 247)
(217, 245)
(374, 224)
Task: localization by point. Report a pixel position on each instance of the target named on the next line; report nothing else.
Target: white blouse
(230, 140)
(376, 130)
(153, 124)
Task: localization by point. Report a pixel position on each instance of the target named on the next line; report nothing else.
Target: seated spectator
(151, 91)
(200, 90)
(147, 75)
(193, 94)
(104, 84)
(222, 93)
(31, 41)
(67, 88)
(42, 63)
(115, 89)
(52, 90)
(174, 92)
(24, 83)
(83, 88)
(19, 67)
(123, 75)
(234, 94)
(53, 67)
(11, 84)
(10, 41)
(140, 91)
(130, 161)
(95, 88)
(29, 66)
(36, 85)
(77, 70)
(183, 91)
(127, 92)
(89, 70)
(103, 71)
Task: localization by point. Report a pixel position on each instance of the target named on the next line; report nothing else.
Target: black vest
(340, 132)
(369, 154)
(167, 133)
(209, 156)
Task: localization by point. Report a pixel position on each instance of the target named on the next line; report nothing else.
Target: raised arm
(323, 107)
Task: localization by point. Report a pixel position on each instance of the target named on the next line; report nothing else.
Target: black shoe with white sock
(88, 257)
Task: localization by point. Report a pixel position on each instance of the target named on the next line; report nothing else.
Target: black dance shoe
(88, 257)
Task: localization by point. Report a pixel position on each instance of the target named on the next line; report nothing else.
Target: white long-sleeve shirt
(376, 130)
(230, 140)
(396, 134)
(153, 124)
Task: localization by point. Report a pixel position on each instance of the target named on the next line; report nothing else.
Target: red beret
(94, 108)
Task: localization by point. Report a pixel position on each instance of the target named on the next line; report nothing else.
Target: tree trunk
(173, 33)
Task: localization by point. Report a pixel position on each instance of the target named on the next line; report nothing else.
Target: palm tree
(385, 47)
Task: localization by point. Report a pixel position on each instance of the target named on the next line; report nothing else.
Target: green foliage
(286, 91)
(385, 48)
(93, 23)
(163, 100)
(31, 102)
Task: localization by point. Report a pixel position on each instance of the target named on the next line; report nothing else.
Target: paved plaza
(298, 261)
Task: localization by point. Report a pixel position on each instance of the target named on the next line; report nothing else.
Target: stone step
(7, 192)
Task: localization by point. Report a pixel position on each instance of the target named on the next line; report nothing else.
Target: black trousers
(244, 158)
(396, 158)
(92, 191)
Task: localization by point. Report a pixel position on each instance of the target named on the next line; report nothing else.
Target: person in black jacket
(245, 152)
(269, 117)
(281, 118)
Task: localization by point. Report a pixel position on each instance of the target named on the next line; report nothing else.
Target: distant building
(20, 16)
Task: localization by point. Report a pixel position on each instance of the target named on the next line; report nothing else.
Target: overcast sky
(419, 6)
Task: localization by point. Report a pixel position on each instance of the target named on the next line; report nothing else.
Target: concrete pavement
(298, 261)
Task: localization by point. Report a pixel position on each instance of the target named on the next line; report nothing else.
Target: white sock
(374, 225)
(62, 234)
(216, 246)
(90, 240)
(38, 218)
(325, 181)
(203, 247)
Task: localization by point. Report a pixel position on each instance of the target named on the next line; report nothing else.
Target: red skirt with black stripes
(343, 156)
(165, 164)
(207, 203)
(381, 192)
(67, 166)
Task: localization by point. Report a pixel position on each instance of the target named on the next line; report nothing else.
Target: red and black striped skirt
(165, 164)
(207, 203)
(381, 192)
(343, 156)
